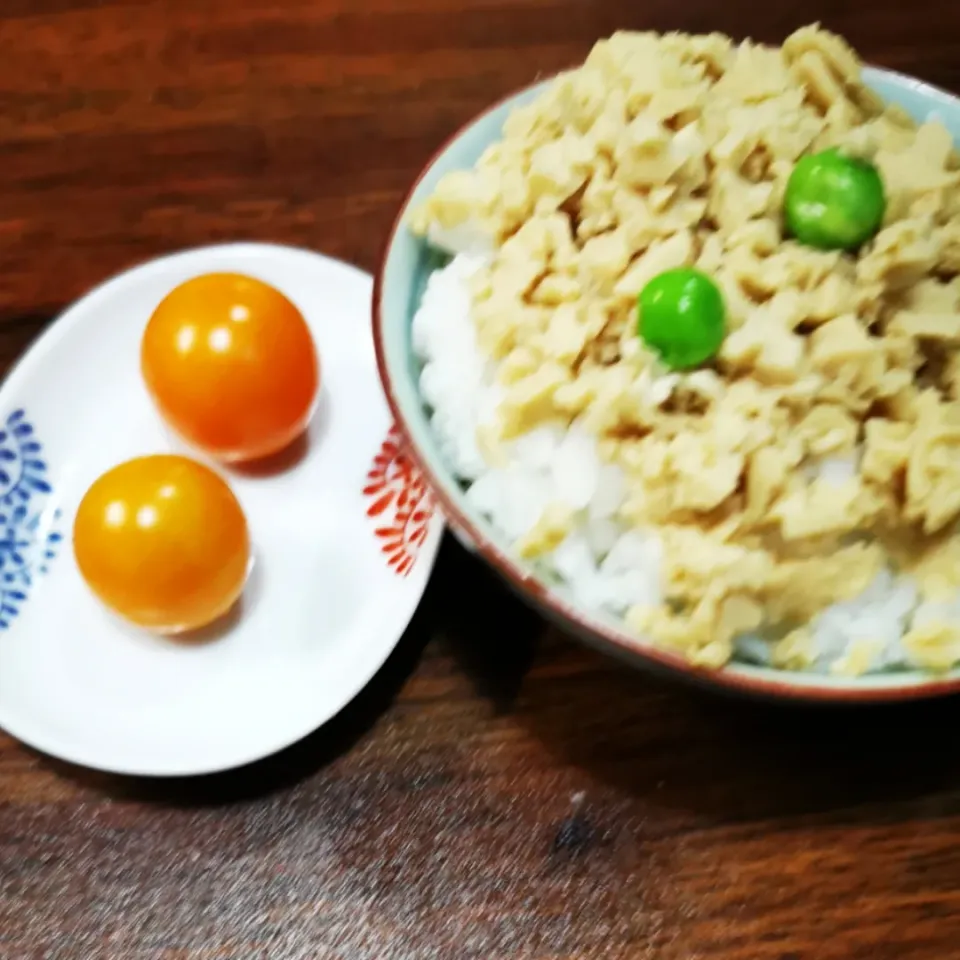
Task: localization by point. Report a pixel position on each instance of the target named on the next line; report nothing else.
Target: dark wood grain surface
(498, 792)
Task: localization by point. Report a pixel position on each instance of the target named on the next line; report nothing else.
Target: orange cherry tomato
(231, 364)
(163, 542)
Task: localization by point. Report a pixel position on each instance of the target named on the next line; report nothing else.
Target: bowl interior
(408, 263)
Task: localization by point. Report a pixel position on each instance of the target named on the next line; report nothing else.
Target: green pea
(681, 317)
(834, 202)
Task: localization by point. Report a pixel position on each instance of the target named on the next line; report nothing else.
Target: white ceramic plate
(345, 537)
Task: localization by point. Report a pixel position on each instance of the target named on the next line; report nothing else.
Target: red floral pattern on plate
(400, 502)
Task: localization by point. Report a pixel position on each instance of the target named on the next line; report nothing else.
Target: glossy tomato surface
(231, 365)
(163, 542)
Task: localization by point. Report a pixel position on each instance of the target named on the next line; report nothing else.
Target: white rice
(605, 567)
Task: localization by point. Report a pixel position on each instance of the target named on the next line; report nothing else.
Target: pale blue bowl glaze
(399, 285)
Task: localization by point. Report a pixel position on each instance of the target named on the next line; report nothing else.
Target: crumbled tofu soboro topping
(665, 151)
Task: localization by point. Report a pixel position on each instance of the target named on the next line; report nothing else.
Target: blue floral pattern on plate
(28, 539)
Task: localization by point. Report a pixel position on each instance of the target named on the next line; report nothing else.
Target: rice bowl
(599, 568)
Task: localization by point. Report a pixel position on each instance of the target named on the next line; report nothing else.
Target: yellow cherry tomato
(163, 542)
(232, 366)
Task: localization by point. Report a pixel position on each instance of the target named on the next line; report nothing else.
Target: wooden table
(497, 792)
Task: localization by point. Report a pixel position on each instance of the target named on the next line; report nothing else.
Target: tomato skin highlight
(163, 542)
(231, 365)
